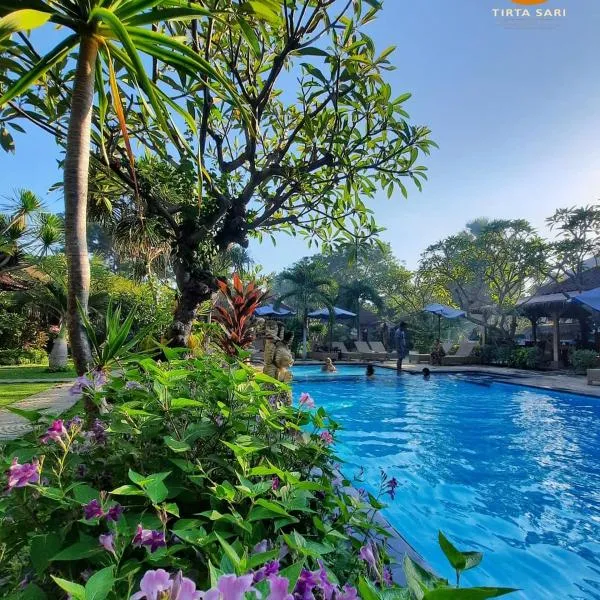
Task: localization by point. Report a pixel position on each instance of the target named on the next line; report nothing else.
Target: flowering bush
(197, 482)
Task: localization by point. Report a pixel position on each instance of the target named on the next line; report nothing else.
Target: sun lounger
(593, 376)
(344, 352)
(446, 346)
(462, 356)
(366, 352)
(415, 357)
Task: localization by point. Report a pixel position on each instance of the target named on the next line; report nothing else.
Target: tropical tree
(27, 231)
(487, 269)
(354, 293)
(577, 244)
(307, 286)
(105, 36)
(304, 163)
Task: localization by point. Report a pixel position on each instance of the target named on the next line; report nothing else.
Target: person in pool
(328, 367)
(426, 373)
(370, 373)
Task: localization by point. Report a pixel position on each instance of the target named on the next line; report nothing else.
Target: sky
(514, 109)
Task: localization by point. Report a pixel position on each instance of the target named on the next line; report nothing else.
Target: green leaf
(366, 590)
(293, 572)
(42, 548)
(32, 592)
(273, 507)
(127, 490)
(79, 550)
(250, 36)
(480, 593)
(31, 415)
(100, 584)
(22, 20)
(76, 591)
(39, 69)
(461, 561)
(229, 551)
(311, 51)
(171, 508)
(176, 445)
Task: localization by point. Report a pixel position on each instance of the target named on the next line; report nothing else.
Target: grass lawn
(13, 392)
(34, 372)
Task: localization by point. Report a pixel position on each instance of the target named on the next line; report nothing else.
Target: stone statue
(278, 356)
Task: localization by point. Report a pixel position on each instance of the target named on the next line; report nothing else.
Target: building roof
(588, 280)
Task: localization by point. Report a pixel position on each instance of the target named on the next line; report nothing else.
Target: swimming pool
(511, 471)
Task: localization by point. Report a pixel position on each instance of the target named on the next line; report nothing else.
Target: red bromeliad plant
(234, 316)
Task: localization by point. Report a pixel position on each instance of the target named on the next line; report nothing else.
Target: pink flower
(275, 483)
(106, 541)
(183, 588)
(20, 475)
(306, 400)
(114, 512)
(348, 593)
(279, 588)
(57, 431)
(326, 438)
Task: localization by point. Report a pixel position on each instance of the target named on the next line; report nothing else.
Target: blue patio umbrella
(441, 310)
(338, 314)
(590, 298)
(324, 314)
(268, 310)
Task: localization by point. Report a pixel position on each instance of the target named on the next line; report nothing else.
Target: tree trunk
(194, 288)
(76, 191)
(304, 338)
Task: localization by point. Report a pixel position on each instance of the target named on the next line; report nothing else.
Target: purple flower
(151, 538)
(81, 383)
(97, 433)
(275, 483)
(305, 585)
(269, 570)
(152, 584)
(348, 593)
(93, 510)
(106, 541)
(279, 589)
(114, 513)
(55, 432)
(261, 547)
(283, 551)
(326, 438)
(306, 400)
(387, 577)
(329, 590)
(390, 487)
(134, 385)
(81, 470)
(366, 554)
(184, 589)
(20, 475)
(336, 481)
(74, 423)
(232, 587)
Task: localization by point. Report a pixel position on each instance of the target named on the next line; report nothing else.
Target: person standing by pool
(401, 347)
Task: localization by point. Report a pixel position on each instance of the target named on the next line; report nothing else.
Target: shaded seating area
(557, 302)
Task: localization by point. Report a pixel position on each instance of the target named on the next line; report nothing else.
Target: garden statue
(278, 356)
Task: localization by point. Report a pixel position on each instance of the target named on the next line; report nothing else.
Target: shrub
(523, 358)
(582, 360)
(27, 356)
(197, 469)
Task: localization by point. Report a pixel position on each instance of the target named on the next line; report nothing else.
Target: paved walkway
(54, 400)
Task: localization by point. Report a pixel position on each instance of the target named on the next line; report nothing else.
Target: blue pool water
(511, 471)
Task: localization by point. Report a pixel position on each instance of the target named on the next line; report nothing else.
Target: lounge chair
(593, 376)
(447, 346)
(462, 356)
(366, 352)
(344, 352)
(380, 348)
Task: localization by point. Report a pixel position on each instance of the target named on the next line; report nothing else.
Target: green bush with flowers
(195, 480)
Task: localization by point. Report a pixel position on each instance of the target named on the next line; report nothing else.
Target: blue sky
(516, 112)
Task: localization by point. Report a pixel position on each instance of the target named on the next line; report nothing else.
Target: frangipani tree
(102, 36)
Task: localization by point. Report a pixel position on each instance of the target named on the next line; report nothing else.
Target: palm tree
(354, 293)
(26, 230)
(308, 287)
(102, 31)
